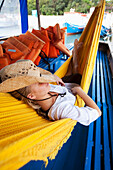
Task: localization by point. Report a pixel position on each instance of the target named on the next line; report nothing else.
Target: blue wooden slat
(90, 142)
(109, 96)
(110, 107)
(98, 79)
(51, 66)
(109, 78)
(106, 81)
(102, 79)
(106, 140)
(50, 61)
(105, 121)
(98, 147)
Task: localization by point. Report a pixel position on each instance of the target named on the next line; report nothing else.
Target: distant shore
(45, 21)
(52, 20)
(76, 18)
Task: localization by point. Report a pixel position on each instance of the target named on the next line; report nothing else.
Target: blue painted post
(24, 15)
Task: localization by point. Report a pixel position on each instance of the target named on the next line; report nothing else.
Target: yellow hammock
(24, 135)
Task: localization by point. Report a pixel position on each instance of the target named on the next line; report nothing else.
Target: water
(69, 39)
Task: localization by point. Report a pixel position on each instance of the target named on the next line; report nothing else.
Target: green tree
(54, 7)
(109, 6)
(85, 6)
(60, 6)
(31, 6)
(47, 7)
(79, 5)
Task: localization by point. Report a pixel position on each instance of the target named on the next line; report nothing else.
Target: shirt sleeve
(84, 115)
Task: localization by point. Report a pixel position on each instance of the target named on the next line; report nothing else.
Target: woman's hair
(25, 91)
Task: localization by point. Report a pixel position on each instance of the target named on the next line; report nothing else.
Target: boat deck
(89, 147)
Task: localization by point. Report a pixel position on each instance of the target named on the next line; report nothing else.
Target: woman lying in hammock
(27, 82)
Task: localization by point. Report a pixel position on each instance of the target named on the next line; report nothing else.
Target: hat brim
(24, 81)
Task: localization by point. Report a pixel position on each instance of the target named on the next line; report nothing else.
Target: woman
(25, 81)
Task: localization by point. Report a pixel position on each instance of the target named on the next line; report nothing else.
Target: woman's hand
(59, 80)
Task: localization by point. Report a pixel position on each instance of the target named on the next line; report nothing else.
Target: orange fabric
(37, 60)
(58, 52)
(13, 52)
(44, 36)
(38, 45)
(4, 61)
(51, 36)
(31, 56)
(57, 32)
(35, 53)
(45, 49)
(50, 28)
(57, 38)
(30, 44)
(20, 46)
(52, 51)
(49, 32)
(44, 32)
(64, 28)
(34, 37)
(14, 60)
(63, 35)
(1, 51)
(40, 35)
(25, 40)
(62, 48)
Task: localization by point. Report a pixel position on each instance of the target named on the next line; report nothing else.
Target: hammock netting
(24, 135)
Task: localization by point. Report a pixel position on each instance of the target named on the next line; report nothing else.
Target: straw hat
(21, 74)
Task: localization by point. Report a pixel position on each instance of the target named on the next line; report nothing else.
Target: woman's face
(39, 90)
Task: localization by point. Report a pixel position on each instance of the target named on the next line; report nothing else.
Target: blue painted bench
(50, 63)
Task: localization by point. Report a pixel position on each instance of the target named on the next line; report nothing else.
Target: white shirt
(64, 107)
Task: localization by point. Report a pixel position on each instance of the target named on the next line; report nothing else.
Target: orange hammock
(24, 135)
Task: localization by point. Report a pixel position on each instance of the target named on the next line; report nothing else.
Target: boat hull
(73, 29)
(104, 31)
